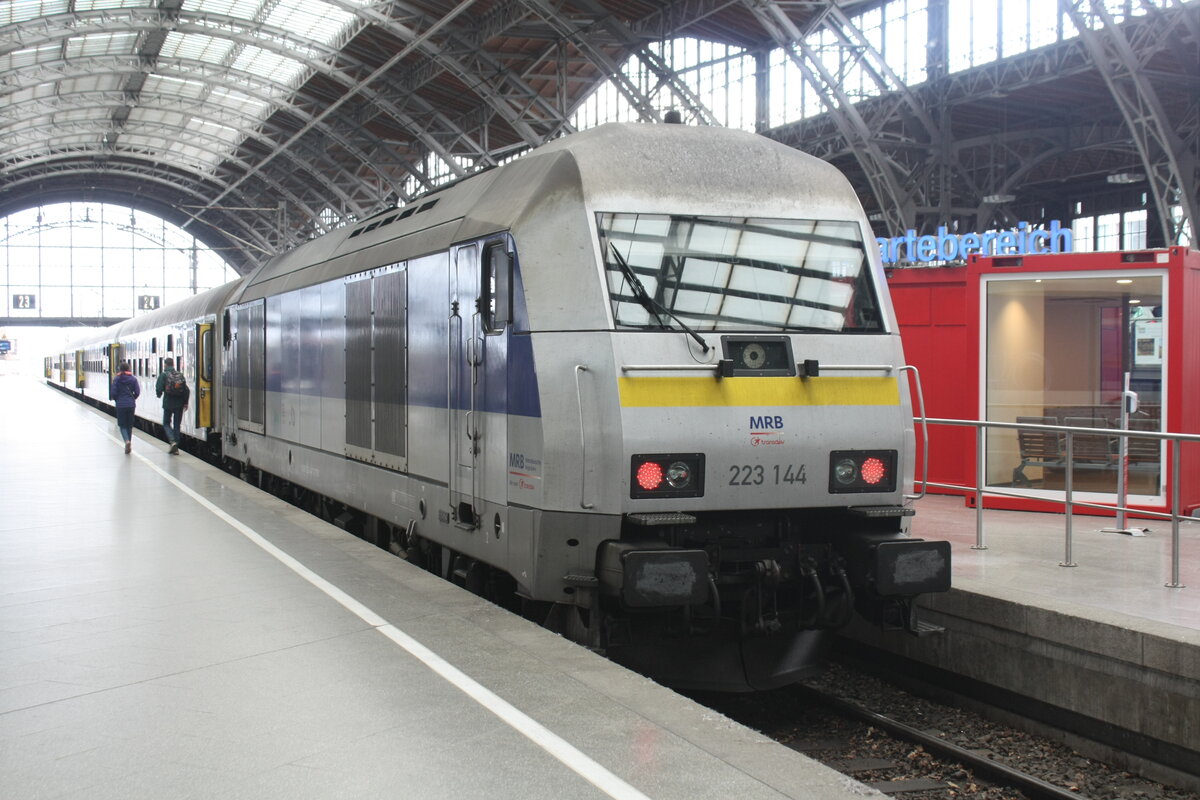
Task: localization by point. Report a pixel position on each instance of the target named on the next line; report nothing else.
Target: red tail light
(649, 475)
(667, 475)
(873, 471)
(862, 471)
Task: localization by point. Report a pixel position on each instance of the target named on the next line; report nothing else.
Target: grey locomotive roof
(619, 166)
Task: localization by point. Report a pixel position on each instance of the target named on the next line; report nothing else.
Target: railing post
(1069, 505)
(979, 545)
(1176, 445)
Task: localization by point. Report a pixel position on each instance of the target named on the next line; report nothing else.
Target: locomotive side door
(464, 356)
(477, 379)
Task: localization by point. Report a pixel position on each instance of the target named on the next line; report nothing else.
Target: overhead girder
(1006, 178)
(824, 137)
(1172, 168)
(360, 87)
(895, 205)
(669, 18)
(161, 193)
(630, 43)
(316, 57)
(501, 89)
(46, 150)
(84, 101)
(307, 155)
(301, 163)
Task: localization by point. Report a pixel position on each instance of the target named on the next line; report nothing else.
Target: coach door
(204, 375)
(114, 360)
(477, 382)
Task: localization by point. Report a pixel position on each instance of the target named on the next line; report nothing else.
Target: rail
(1069, 466)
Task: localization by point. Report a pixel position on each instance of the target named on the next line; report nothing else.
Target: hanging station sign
(946, 246)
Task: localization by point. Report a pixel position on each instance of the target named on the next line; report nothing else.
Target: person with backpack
(173, 389)
(124, 391)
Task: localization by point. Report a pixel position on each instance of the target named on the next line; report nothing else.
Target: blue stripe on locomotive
(511, 373)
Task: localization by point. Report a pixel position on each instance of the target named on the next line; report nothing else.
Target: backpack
(176, 384)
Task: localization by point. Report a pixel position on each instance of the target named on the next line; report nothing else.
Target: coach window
(1059, 350)
(497, 285)
(206, 362)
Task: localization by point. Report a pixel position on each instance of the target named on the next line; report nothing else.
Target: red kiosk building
(1052, 339)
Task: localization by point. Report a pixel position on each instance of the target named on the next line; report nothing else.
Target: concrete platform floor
(167, 631)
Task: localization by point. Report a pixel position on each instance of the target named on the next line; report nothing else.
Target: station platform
(1102, 635)
(167, 631)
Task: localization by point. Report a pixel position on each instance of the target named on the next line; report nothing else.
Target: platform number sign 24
(147, 302)
(24, 301)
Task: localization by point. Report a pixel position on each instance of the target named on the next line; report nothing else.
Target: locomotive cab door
(205, 356)
(477, 379)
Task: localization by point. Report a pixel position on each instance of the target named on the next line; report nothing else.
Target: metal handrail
(1068, 501)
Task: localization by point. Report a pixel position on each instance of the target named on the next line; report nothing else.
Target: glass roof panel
(80, 114)
(208, 128)
(89, 83)
(181, 152)
(11, 12)
(29, 56)
(175, 119)
(264, 63)
(239, 101)
(100, 44)
(93, 5)
(198, 47)
(171, 85)
(243, 9)
(312, 19)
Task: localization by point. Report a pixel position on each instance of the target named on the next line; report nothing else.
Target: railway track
(913, 749)
(946, 758)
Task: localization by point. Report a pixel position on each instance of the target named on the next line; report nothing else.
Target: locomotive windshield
(738, 273)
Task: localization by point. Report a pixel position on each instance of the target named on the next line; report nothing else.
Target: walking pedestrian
(124, 391)
(174, 391)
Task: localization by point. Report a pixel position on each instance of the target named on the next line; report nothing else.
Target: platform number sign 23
(24, 301)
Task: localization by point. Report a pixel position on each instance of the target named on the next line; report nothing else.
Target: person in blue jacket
(124, 392)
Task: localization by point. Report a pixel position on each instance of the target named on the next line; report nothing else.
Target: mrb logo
(766, 423)
(766, 430)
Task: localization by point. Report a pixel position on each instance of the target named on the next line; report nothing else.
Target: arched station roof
(257, 124)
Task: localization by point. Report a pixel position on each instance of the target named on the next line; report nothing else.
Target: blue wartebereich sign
(946, 246)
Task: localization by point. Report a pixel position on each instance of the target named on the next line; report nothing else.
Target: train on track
(643, 383)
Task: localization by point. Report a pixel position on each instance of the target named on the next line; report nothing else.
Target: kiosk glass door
(1060, 350)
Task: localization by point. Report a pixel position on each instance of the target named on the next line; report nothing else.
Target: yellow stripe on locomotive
(692, 392)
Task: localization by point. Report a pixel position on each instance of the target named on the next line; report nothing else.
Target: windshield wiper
(648, 302)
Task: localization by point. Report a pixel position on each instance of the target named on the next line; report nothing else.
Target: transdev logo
(766, 430)
(946, 246)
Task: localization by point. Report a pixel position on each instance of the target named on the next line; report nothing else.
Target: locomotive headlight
(679, 475)
(862, 471)
(666, 475)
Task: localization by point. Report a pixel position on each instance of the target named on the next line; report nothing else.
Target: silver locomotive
(646, 379)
